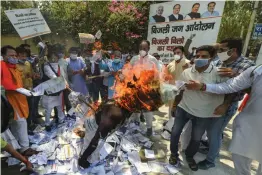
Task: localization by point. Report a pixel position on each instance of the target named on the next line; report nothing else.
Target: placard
(28, 23)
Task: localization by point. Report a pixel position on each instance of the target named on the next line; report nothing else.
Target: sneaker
(48, 128)
(205, 165)
(175, 161)
(149, 132)
(192, 163)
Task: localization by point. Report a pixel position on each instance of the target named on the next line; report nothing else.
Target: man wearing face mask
(148, 60)
(63, 65)
(76, 72)
(50, 101)
(175, 69)
(112, 67)
(230, 64)
(12, 82)
(199, 107)
(26, 71)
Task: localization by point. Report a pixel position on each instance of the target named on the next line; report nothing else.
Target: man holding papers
(12, 82)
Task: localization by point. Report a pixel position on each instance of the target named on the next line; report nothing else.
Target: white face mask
(177, 57)
(223, 56)
(142, 53)
(73, 56)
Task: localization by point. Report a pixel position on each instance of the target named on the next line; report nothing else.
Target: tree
(122, 22)
(237, 14)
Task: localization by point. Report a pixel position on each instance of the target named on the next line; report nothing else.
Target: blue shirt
(209, 14)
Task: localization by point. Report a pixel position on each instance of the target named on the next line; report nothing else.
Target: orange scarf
(11, 80)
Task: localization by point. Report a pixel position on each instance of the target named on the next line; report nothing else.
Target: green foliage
(237, 14)
(125, 22)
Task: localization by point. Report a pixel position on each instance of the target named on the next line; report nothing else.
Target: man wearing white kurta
(246, 143)
(148, 61)
(49, 102)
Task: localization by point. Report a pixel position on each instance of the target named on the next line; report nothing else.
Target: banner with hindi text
(179, 22)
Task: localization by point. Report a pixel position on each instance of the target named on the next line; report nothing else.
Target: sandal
(192, 164)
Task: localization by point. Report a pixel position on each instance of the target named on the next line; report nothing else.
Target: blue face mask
(201, 62)
(12, 60)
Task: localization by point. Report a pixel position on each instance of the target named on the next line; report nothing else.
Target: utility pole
(251, 24)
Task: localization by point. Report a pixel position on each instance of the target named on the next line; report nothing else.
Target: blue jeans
(215, 130)
(199, 126)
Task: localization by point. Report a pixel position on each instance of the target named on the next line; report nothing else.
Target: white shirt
(197, 103)
(247, 128)
(63, 65)
(149, 58)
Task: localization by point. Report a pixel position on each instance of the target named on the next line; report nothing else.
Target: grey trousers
(243, 165)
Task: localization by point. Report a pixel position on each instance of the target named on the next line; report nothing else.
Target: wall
(14, 40)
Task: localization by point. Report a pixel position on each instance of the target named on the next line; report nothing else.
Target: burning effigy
(141, 87)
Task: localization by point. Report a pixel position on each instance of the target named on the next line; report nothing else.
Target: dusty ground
(224, 164)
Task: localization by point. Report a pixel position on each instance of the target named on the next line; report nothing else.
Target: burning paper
(142, 88)
(139, 90)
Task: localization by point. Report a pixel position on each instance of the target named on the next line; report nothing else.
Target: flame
(140, 88)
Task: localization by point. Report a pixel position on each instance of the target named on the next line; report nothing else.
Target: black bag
(46, 78)
(7, 112)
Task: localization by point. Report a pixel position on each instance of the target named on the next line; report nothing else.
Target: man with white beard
(147, 61)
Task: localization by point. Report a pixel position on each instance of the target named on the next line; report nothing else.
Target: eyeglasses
(177, 53)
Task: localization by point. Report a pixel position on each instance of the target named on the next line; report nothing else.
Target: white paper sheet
(98, 34)
(149, 154)
(148, 144)
(142, 168)
(157, 167)
(133, 157)
(105, 150)
(172, 169)
(128, 146)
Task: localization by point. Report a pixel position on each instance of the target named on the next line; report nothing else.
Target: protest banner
(28, 23)
(182, 22)
(86, 38)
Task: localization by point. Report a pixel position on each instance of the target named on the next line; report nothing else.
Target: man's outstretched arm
(241, 82)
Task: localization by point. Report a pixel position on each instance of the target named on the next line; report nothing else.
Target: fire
(140, 88)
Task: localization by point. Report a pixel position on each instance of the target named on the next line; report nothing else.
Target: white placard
(98, 34)
(86, 38)
(28, 22)
(165, 32)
